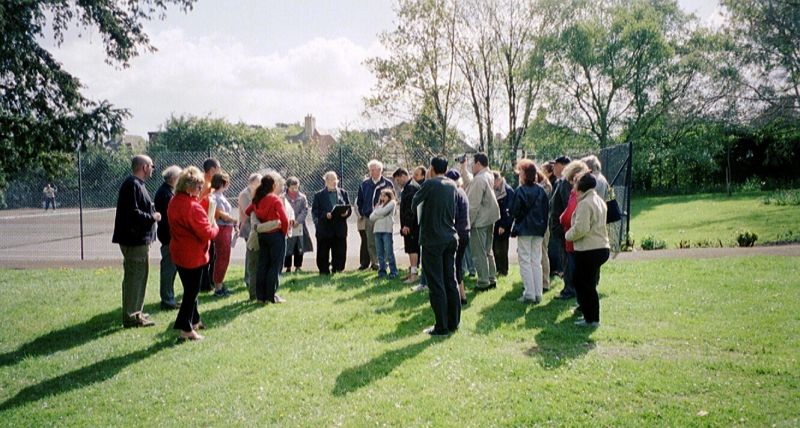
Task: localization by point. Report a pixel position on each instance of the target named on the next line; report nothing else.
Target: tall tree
(42, 110)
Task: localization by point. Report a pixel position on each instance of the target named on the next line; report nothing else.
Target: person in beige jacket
(590, 238)
(484, 211)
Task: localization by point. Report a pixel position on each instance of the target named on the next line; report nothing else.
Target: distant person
(363, 251)
(300, 242)
(267, 206)
(439, 243)
(134, 230)
(420, 173)
(220, 182)
(553, 252)
(331, 230)
(502, 227)
(192, 232)
(409, 228)
(245, 226)
(163, 196)
(572, 173)
(383, 219)
(544, 183)
(211, 166)
(530, 210)
(368, 194)
(49, 193)
(590, 238)
(462, 228)
(558, 203)
(483, 213)
(597, 171)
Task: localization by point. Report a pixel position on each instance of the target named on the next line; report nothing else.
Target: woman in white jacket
(383, 218)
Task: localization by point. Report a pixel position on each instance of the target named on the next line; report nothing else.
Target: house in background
(134, 143)
(311, 135)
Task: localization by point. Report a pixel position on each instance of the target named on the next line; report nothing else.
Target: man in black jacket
(134, 231)
(558, 203)
(409, 227)
(331, 229)
(439, 241)
(161, 199)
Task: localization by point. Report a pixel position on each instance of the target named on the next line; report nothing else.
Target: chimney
(310, 126)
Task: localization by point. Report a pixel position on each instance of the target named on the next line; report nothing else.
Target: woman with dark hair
(530, 210)
(590, 238)
(222, 243)
(190, 234)
(267, 206)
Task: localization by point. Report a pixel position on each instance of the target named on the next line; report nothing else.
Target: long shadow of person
(108, 368)
(505, 311)
(557, 342)
(354, 378)
(94, 328)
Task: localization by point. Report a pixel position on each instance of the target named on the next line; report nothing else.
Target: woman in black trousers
(590, 238)
(331, 228)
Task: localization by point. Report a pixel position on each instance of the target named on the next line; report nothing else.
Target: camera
(461, 159)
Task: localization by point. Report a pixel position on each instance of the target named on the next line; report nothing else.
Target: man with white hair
(368, 195)
(134, 231)
(161, 199)
(596, 169)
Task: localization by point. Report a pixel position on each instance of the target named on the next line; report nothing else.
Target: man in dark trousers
(439, 241)
(331, 228)
(134, 230)
(409, 227)
(558, 203)
(163, 195)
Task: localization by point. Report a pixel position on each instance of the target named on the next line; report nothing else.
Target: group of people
(449, 219)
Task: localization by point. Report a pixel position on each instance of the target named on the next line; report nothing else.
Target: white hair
(593, 163)
(171, 172)
(254, 177)
(330, 175)
(375, 163)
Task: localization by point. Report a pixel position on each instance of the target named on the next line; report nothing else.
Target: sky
(256, 61)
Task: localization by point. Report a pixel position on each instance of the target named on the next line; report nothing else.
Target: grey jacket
(383, 217)
(483, 207)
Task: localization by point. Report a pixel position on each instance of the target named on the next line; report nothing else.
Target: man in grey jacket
(484, 211)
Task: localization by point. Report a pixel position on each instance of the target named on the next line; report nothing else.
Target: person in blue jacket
(502, 227)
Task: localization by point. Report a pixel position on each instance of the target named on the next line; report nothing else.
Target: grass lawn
(682, 343)
(711, 217)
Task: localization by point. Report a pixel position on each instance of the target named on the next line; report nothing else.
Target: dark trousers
(554, 255)
(49, 202)
(500, 249)
(586, 278)
(331, 254)
(271, 251)
(297, 253)
(440, 273)
(207, 281)
(187, 314)
(364, 260)
(463, 244)
(569, 275)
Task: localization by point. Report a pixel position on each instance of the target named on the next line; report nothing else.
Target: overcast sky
(255, 61)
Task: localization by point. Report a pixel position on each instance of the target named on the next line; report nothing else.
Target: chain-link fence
(86, 192)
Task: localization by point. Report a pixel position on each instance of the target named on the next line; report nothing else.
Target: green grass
(711, 218)
(682, 343)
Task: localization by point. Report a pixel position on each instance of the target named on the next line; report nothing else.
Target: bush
(651, 243)
(752, 184)
(783, 198)
(745, 238)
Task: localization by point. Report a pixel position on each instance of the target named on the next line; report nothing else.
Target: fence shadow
(108, 368)
(354, 378)
(94, 328)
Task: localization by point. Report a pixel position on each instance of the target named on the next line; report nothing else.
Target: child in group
(383, 217)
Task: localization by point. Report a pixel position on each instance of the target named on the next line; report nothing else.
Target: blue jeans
(468, 265)
(385, 249)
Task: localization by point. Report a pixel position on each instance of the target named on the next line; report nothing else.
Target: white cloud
(220, 76)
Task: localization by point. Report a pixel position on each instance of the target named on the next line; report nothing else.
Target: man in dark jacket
(558, 203)
(134, 231)
(331, 228)
(163, 195)
(409, 227)
(439, 241)
(369, 192)
(502, 227)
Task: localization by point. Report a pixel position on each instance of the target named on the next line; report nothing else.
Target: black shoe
(565, 296)
(487, 288)
(168, 306)
(463, 301)
(432, 332)
(363, 267)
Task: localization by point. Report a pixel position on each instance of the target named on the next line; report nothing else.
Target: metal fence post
(80, 193)
(629, 183)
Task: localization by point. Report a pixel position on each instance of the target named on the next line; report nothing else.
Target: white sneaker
(420, 288)
(525, 299)
(583, 323)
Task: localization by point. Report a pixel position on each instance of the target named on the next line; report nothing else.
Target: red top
(191, 231)
(270, 207)
(566, 218)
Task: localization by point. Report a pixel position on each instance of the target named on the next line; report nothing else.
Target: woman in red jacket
(267, 206)
(191, 232)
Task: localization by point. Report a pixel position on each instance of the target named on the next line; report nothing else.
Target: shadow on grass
(557, 342)
(94, 328)
(108, 368)
(505, 311)
(354, 378)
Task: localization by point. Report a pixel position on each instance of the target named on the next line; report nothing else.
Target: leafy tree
(42, 109)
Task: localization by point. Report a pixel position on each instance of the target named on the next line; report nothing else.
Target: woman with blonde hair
(191, 231)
